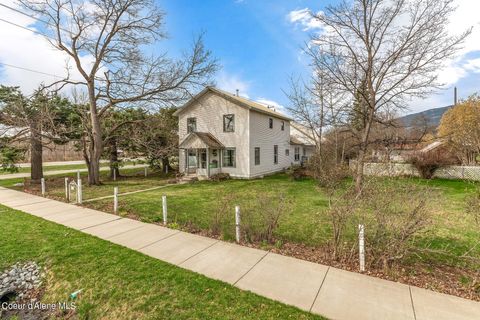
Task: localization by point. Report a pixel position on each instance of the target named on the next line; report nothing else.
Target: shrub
(393, 212)
(428, 162)
(472, 205)
(297, 173)
(220, 222)
(325, 168)
(261, 218)
(220, 176)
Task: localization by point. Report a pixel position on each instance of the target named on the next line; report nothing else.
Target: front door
(192, 161)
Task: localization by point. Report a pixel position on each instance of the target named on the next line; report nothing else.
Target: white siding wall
(265, 138)
(209, 111)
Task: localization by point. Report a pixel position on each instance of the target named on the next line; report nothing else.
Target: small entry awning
(200, 140)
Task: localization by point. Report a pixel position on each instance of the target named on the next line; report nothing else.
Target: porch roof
(196, 140)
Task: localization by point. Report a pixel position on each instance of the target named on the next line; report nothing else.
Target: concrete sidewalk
(55, 172)
(331, 292)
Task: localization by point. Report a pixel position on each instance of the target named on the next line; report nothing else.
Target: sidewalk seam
(319, 288)
(101, 223)
(150, 244)
(27, 204)
(198, 252)
(117, 234)
(243, 275)
(413, 305)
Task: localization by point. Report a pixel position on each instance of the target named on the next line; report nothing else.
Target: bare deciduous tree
(382, 53)
(108, 41)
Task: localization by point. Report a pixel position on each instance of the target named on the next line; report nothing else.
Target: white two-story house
(222, 132)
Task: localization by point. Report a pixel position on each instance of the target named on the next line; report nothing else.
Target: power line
(32, 17)
(28, 29)
(32, 70)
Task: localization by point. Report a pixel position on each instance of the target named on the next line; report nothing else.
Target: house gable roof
(201, 140)
(240, 101)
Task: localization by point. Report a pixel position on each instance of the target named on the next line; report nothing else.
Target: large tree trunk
(114, 171)
(96, 143)
(36, 157)
(166, 168)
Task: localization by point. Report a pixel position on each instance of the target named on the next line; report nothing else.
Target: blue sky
(257, 42)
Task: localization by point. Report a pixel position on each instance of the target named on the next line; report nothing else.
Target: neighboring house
(222, 132)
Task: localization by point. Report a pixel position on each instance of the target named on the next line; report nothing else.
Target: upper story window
(287, 152)
(283, 125)
(270, 123)
(191, 125)
(229, 123)
(275, 154)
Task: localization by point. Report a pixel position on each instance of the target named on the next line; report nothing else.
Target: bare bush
(220, 176)
(220, 217)
(325, 168)
(261, 217)
(428, 162)
(472, 205)
(393, 212)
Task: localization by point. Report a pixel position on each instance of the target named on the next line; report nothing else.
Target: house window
(283, 125)
(270, 123)
(257, 156)
(191, 125)
(297, 153)
(275, 154)
(229, 123)
(287, 152)
(229, 157)
(304, 152)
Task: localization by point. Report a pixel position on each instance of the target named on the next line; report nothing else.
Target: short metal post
(164, 207)
(67, 197)
(146, 171)
(79, 191)
(114, 174)
(237, 223)
(78, 175)
(115, 200)
(361, 246)
(42, 181)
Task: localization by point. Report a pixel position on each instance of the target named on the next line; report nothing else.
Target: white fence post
(42, 182)
(115, 200)
(237, 223)
(146, 171)
(67, 196)
(361, 246)
(79, 191)
(78, 175)
(164, 207)
(114, 174)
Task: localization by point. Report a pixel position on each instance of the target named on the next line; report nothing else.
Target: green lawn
(119, 283)
(452, 240)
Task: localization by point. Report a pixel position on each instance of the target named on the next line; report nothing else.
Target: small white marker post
(237, 223)
(361, 246)
(146, 171)
(67, 197)
(79, 191)
(42, 182)
(78, 175)
(164, 207)
(114, 174)
(115, 200)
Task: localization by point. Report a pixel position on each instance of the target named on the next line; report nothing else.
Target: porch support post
(208, 162)
(220, 156)
(186, 161)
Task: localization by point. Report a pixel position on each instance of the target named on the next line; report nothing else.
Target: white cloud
(303, 17)
(271, 103)
(231, 83)
(29, 50)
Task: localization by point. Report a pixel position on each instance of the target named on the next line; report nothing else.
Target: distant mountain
(431, 116)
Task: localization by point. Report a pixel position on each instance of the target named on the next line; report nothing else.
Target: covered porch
(202, 154)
